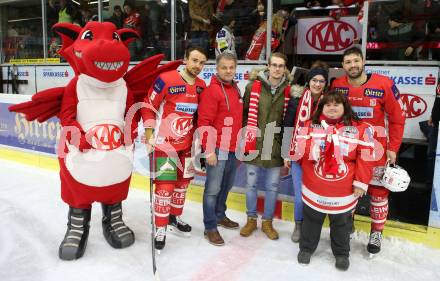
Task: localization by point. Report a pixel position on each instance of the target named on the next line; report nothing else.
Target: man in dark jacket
(220, 115)
(265, 101)
(118, 17)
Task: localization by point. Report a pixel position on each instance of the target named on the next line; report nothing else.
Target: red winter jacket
(221, 108)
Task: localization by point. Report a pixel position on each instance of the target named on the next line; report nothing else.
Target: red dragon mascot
(95, 151)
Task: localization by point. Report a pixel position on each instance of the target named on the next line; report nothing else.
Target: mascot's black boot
(117, 234)
(75, 240)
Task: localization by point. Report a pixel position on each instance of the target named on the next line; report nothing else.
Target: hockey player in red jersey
(173, 102)
(373, 96)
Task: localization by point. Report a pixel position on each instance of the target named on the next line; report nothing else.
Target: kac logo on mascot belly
(105, 137)
(413, 106)
(182, 125)
(331, 36)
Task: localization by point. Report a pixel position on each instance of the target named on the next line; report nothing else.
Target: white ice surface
(33, 222)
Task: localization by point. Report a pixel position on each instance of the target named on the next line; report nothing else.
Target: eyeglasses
(274, 65)
(316, 81)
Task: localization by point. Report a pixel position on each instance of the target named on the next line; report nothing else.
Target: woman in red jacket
(336, 153)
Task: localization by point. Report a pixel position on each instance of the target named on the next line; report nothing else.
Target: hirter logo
(413, 106)
(105, 137)
(182, 125)
(331, 36)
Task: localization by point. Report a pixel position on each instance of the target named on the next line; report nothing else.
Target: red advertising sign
(326, 36)
(414, 106)
(331, 36)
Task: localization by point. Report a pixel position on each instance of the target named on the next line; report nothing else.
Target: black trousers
(340, 227)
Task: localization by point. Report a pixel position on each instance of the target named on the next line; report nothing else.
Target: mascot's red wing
(42, 106)
(140, 78)
(143, 67)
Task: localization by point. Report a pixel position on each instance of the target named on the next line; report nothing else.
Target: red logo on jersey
(105, 137)
(250, 136)
(331, 36)
(182, 125)
(414, 106)
(342, 172)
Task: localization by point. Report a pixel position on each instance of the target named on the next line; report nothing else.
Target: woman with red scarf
(300, 110)
(337, 150)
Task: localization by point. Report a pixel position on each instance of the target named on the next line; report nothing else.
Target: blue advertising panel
(16, 131)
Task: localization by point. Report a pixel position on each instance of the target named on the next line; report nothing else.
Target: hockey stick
(153, 226)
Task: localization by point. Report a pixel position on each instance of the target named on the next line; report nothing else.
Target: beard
(355, 75)
(193, 72)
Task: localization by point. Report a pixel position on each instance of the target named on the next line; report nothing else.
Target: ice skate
(160, 238)
(374, 244)
(178, 227)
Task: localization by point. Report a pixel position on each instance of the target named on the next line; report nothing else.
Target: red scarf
(330, 158)
(306, 108)
(250, 144)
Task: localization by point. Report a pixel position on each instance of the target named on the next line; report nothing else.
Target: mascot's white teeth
(78, 54)
(108, 65)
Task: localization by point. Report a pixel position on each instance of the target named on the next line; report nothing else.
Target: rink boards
(34, 144)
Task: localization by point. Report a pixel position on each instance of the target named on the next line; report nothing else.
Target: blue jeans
(271, 186)
(296, 172)
(219, 181)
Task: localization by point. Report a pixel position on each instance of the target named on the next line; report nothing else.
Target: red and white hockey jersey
(374, 102)
(173, 106)
(257, 49)
(353, 149)
(133, 21)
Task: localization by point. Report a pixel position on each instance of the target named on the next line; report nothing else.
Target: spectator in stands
(403, 37)
(118, 17)
(247, 21)
(221, 4)
(182, 17)
(201, 12)
(66, 12)
(157, 17)
(52, 14)
(288, 38)
(434, 36)
(257, 49)
(152, 27)
(133, 21)
(224, 39)
(87, 15)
